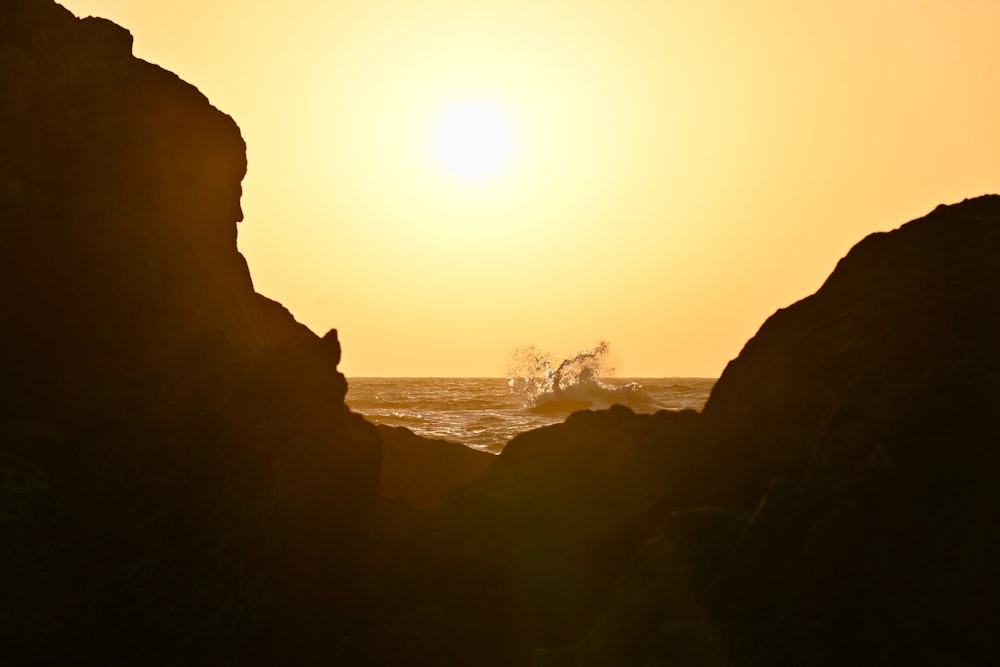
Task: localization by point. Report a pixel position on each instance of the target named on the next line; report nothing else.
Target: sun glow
(473, 140)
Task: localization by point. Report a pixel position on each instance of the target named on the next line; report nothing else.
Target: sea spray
(577, 383)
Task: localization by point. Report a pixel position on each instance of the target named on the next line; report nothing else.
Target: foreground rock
(425, 470)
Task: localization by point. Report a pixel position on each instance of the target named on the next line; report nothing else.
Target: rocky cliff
(121, 197)
(180, 471)
(896, 305)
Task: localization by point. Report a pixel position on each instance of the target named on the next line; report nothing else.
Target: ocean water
(485, 413)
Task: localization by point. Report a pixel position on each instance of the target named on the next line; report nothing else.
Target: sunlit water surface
(485, 413)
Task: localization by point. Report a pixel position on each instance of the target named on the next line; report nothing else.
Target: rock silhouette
(181, 482)
(423, 470)
(181, 474)
(897, 304)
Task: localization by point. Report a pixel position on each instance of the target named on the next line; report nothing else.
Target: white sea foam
(580, 382)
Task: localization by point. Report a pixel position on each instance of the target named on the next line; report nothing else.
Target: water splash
(577, 383)
(532, 372)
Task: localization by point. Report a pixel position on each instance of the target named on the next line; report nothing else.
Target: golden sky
(670, 173)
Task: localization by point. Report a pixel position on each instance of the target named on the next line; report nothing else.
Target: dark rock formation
(120, 195)
(898, 303)
(180, 475)
(653, 613)
(425, 470)
(560, 513)
(886, 548)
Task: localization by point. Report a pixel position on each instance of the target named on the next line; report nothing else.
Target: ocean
(485, 413)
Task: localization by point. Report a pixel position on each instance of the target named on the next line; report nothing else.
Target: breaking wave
(582, 382)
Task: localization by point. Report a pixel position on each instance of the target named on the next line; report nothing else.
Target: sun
(474, 140)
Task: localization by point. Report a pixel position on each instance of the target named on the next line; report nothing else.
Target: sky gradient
(678, 171)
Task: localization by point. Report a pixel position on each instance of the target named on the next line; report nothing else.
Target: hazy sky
(673, 172)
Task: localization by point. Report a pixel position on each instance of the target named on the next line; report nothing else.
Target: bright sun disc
(473, 140)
